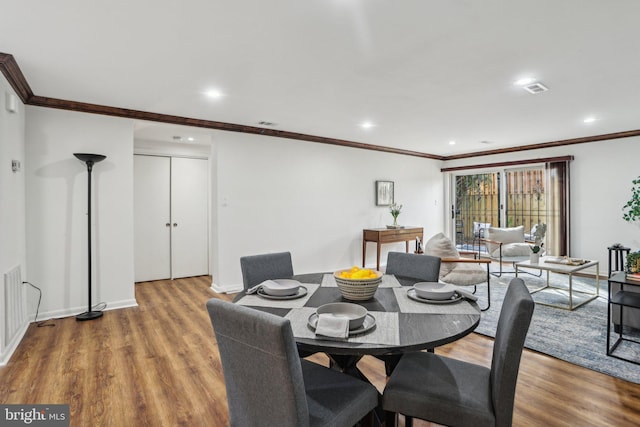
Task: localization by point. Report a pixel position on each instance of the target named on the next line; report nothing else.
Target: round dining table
(402, 324)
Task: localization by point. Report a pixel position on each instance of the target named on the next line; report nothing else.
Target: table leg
(378, 256)
(364, 252)
(407, 246)
(570, 291)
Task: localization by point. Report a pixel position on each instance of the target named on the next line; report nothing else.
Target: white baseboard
(13, 345)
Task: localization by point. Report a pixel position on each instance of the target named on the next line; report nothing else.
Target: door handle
(168, 224)
(175, 224)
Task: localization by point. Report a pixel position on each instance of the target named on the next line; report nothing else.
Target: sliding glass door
(511, 197)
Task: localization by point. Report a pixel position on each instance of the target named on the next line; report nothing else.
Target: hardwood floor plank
(157, 365)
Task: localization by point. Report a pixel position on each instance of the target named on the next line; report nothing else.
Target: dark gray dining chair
(457, 393)
(416, 266)
(258, 268)
(268, 385)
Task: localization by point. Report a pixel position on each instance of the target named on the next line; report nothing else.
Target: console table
(388, 235)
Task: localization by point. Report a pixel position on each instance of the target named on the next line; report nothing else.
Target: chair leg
(408, 421)
(390, 363)
(390, 419)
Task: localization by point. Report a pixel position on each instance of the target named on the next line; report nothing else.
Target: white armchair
(506, 245)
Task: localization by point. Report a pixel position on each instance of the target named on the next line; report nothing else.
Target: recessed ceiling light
(367, 125)
(214, 93)
(452, 142)
(589, 119)
(524, 81)
(191, 138)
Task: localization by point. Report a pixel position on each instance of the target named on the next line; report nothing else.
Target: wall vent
(15, 313)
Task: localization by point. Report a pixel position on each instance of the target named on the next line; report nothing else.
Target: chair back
(416, 266)
(261, 367)
(258, 268)
(503, 235)
(511, 332)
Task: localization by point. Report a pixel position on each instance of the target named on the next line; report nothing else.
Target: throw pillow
(513, 250)
(466, 275)
(442, 247)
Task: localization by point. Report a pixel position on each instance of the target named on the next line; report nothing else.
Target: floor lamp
(90, 160)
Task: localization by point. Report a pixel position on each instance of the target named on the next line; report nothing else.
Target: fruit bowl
(357, 284)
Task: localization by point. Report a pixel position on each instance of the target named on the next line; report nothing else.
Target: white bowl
(281, 287)
(434, 290)
(354, 312)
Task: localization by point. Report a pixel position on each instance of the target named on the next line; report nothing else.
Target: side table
(621, 299)
(618, 253)
(388, 235)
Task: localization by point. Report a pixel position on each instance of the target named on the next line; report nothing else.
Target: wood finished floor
(157, 365)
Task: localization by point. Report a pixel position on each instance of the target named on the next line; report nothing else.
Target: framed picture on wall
(384, 193)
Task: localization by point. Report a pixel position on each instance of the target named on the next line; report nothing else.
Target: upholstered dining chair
(457, 393)
(457, 269)
(268, 385)
(416, 266)
(258, 268)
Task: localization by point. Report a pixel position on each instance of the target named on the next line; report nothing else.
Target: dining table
(402, 324)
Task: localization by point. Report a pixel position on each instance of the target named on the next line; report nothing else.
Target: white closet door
(152, 210)
(189, 213)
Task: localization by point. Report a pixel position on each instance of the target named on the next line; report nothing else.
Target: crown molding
(18, 82)
(14, 76)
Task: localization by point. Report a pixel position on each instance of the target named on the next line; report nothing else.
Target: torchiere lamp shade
(86, 157)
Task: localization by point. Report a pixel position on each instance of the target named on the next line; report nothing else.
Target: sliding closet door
(189, 214)
(152, 216)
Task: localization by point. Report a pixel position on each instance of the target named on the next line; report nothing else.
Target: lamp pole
(90, 160)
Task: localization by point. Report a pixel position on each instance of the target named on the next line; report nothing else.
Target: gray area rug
(578, 336)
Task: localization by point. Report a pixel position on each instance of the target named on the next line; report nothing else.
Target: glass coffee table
(559, 265)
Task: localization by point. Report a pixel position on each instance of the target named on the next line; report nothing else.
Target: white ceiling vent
(536, 87)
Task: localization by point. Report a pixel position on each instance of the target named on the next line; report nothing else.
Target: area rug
(578, 336)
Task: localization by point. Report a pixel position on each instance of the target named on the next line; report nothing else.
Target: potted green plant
(633, 262)
(536, 248)
(631, 210)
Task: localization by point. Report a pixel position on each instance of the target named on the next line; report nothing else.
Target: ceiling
(424, 72)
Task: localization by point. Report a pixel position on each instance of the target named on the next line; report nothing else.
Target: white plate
(280, 287)
(411, 293)
(302, 291)
(368, 324)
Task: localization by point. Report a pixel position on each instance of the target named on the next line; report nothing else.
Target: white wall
(12, 203)
(312, 199)
(12, 184)
(600, 176)
(57, 208)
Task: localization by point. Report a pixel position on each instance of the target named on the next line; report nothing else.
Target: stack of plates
(282, 289)
(433, 292)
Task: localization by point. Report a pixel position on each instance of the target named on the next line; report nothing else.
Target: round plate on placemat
(302, 291)
(368, 324)
(411, 293)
